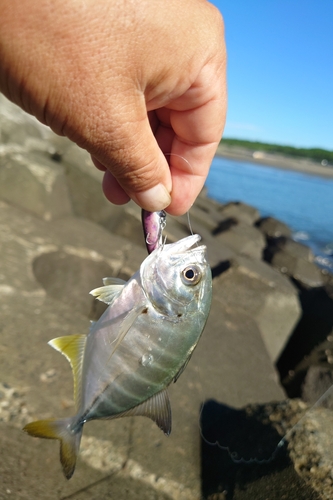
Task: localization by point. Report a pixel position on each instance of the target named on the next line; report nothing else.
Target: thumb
(135, 160)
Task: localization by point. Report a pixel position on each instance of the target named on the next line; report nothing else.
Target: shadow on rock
(69, 278)
(243, 457)
(224, 225)
(310, 345)
(220, 268)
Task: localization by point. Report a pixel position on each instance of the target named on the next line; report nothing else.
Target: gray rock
(274, 228)
(263, 294)
(304, 272)
(50, 265)
(230, 364)
(219, 256)
(242, 239)
(296, 261)
(21, 132)
(29, 469)
(311, 343)
(68, 258)
(240, 211)
(318, 380)
(46, 271)
(298, 250)
(15, 125)
(244, 455)
(90, 203)
(310, 444)
(328, 277)
(207, 204)
(34, 184)
(199, 216)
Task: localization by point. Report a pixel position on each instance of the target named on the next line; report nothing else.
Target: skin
(128, 80)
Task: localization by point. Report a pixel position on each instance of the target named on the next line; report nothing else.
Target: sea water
(303, 201)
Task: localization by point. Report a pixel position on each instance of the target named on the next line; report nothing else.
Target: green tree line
(316, 154)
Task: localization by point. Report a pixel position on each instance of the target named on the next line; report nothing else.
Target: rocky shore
(268, 339)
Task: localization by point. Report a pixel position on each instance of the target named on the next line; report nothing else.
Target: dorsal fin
(107, 293)
(157, 408)
(72, 346)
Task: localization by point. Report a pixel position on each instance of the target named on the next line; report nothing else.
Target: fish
(139, 346)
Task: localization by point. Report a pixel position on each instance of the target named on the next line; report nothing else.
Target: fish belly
(146, 362)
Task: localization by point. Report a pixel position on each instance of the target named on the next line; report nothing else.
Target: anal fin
(157, 408)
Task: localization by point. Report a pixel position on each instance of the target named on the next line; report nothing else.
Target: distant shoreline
(275, 160)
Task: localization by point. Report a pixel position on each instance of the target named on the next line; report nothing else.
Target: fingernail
(154, 199)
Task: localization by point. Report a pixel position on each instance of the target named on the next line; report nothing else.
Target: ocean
(304, 202)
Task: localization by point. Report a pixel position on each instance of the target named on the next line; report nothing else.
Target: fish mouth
(191, 241)
(188, 243)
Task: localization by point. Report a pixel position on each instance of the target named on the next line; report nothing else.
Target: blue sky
(280, 71)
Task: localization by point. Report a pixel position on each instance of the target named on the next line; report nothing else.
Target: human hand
(127, 81)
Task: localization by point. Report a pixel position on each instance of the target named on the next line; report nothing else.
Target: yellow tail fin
(69, 439)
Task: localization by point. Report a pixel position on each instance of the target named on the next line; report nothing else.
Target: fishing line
(164, 241)
(234, 456)
(314, 406)
(189, 223)
(192, 171)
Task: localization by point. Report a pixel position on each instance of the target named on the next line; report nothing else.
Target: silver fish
(141, 343)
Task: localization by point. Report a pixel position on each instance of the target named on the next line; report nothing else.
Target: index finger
(197, 119)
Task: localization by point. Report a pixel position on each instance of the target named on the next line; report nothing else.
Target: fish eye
(191, 275)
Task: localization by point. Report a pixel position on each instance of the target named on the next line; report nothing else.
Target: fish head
(176, 278)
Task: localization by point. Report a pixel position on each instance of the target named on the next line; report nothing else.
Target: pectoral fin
(126, 324)
(157, 408)
(107, 293)
(113, 281)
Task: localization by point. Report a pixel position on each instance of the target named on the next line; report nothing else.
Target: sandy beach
(275, 160)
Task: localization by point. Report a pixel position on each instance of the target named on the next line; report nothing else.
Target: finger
(98, 164)
(111, 187)
(113, 191)
(134, 159)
